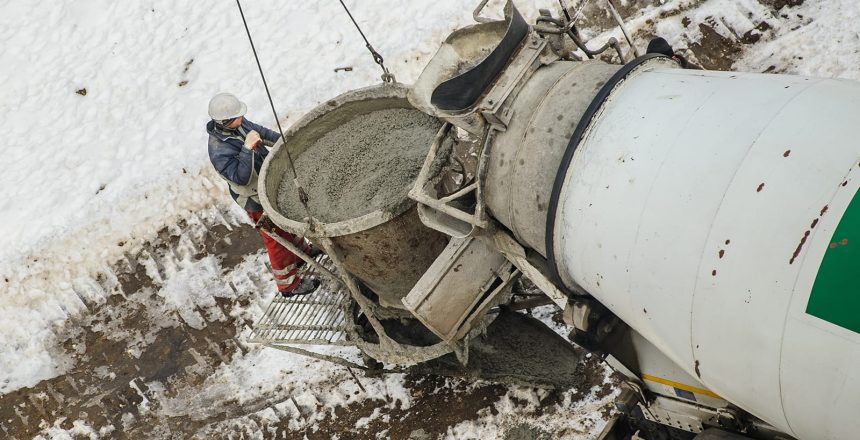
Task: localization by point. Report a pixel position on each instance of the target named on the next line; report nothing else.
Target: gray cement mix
(516, 349)
(363, 165)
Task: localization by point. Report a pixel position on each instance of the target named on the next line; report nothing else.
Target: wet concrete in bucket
(361, 166)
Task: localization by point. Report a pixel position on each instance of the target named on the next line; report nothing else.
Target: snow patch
(105, 107)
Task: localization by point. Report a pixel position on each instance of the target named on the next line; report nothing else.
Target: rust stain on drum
(799, 247)
(806, 234)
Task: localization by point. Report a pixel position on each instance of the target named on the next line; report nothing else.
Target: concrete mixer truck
(698, 230)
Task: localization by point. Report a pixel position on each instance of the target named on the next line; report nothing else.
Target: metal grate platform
(315, 319)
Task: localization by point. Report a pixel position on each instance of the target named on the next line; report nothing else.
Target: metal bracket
(476, 14)
(577, 314)
(614, 11)
(444, 217)
(516, 254)
(679, 414)
(495, 106)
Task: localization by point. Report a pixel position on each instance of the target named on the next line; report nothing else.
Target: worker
(237, 148)
(661, 46)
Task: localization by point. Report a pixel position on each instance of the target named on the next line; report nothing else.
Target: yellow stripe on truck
(681, 386)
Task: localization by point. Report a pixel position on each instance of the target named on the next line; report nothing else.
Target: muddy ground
(111, 381)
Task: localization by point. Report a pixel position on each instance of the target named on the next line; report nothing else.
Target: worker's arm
(269, 136)
(235, 167)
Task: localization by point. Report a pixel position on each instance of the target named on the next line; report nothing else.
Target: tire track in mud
(120, 348)
(132, 354)
(130, 359)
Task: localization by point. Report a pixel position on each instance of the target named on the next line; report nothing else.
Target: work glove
(252, 140)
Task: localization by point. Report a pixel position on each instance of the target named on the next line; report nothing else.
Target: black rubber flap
(462, 91)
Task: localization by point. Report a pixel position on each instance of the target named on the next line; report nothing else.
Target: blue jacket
(233, 161)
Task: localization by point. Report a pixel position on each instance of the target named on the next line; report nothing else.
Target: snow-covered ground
(88, 177)
(104, 105)
(814, 39)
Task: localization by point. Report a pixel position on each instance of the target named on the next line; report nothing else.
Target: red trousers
(284, 263)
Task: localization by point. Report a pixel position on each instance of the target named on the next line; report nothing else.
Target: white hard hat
(224, 106)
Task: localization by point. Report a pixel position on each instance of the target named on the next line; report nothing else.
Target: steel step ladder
(319, 318)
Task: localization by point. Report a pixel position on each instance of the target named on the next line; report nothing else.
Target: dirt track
(108, 382)
(119, 383)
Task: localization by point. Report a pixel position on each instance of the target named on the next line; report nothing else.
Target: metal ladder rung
(301, 300)
(287, 342)
(317, 319)
(302, 327)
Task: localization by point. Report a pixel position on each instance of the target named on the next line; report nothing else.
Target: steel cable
(303, 197)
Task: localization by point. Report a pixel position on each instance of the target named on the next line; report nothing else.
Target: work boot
(307, 286)
(314, 251)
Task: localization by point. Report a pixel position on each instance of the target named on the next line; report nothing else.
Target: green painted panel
(835, 295)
